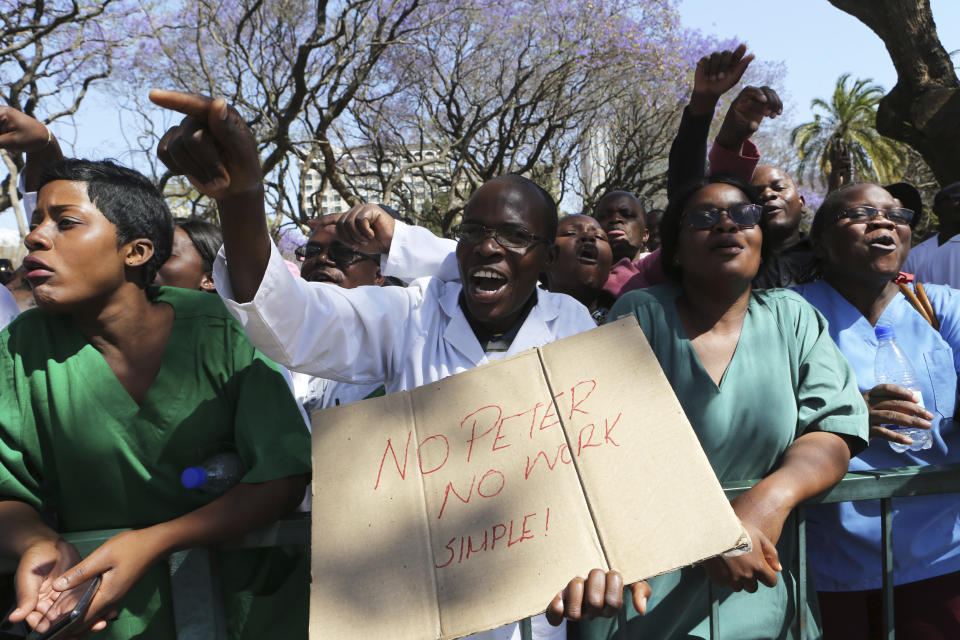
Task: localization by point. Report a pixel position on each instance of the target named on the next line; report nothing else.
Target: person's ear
(138, 252)
(206, 282)
(552, 252)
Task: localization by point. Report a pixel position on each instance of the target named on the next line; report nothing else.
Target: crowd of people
(157, 343)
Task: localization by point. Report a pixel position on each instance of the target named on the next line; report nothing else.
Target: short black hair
(619, 193)
(205, 236)
(126, 198)
(672, 221)
(551, 217)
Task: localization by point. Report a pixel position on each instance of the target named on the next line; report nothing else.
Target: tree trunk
(923, 109)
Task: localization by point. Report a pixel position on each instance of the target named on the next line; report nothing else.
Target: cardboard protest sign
(469, 503)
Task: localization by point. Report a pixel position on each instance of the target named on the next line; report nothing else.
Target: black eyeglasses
(338, 253)
(508, 236)
(863, 213)
(743, 215)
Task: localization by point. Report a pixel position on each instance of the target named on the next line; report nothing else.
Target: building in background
(406, 180)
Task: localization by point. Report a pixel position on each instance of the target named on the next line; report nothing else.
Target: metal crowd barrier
(198, 606)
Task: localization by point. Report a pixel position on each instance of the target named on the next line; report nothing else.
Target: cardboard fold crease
(470, 502)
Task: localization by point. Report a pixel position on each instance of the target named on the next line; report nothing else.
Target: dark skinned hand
(893, 404)
(21, 133)
(745, 115)
(744, 572)
(599, 596)
(762, 514)
(365, 227)
(211, 146)
(716, 74)
(121, 561)
(39, 568)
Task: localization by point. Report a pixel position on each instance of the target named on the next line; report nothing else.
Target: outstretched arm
(125, 558)
(411, 252)
(215, 150)
(346, 335)
(733, 152)
(812, 464)
(715, 75)
(21, 133)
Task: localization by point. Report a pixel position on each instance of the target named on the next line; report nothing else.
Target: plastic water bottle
(892, 366)
(216, 475)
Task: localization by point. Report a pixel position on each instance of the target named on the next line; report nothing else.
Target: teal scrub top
(786, 378)
(77, 447)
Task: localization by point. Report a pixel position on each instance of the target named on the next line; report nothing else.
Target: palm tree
(843, 142)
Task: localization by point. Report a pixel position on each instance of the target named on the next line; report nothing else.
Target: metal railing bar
(901, 482)
(714, 611)
(801, 573)
(886, 538)
(526, 629)
(862, 485)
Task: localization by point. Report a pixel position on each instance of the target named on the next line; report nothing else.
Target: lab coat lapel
(458, 333)
(535, 332)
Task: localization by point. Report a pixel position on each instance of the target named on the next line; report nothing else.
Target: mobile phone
(79, 597)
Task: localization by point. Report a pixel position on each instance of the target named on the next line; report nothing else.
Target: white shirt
(405, 337)
(8, 307)
(933, 263)
(416, 252)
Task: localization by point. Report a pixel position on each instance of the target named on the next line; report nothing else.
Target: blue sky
(816, 41)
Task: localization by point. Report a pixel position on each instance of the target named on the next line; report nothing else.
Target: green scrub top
(77, 447)
(786, 378)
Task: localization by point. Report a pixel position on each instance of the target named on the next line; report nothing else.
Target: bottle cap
(884, 332)
(193, 477)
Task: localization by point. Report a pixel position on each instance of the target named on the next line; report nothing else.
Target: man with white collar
(405, 337)
(937, 259)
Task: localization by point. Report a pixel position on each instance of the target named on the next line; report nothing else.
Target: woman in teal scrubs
(862, 235)
(769, 396)
(110, 389)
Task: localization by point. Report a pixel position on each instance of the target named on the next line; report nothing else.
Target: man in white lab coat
(405, 337)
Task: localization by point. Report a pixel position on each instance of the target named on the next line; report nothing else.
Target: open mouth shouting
(587, 253)
(486, 284)
(882, 241)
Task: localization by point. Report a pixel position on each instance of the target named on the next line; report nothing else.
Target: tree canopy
(842, 140)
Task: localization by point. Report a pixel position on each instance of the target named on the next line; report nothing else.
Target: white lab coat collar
(459, 334)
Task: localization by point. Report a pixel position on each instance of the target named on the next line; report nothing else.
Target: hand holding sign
(599, 596)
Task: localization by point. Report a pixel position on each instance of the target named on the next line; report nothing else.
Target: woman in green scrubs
(769, 396)
(110, 389)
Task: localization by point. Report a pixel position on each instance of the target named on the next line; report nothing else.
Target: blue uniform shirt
(844, 539)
